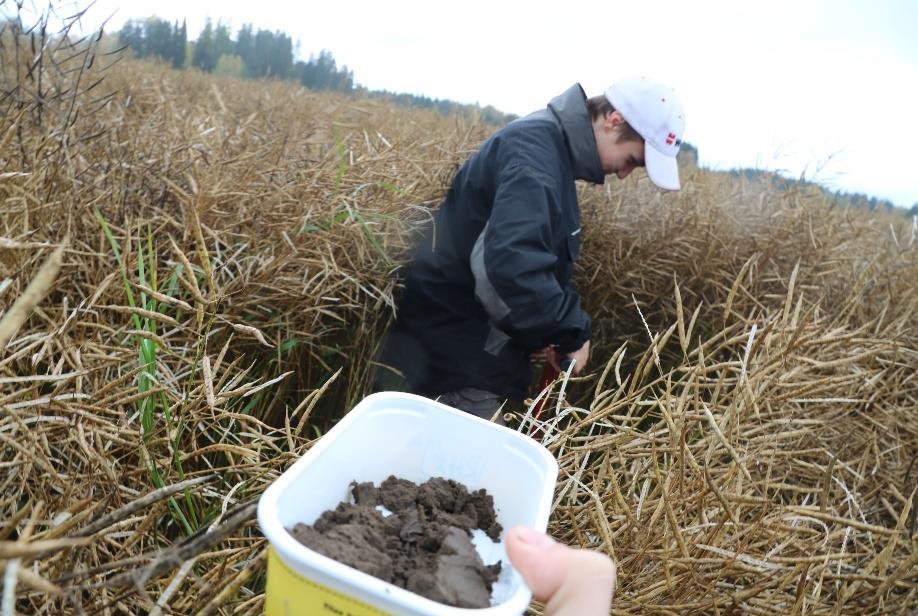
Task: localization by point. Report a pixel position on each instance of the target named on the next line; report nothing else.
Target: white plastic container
(412, 438)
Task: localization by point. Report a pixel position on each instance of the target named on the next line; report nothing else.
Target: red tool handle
(549, 374)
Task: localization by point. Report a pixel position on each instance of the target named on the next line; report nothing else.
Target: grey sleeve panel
(496, 308)
(496, 341)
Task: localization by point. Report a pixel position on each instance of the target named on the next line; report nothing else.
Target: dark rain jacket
(491, 282)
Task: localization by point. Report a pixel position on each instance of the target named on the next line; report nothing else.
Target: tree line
(775, 181)
(262, 53)
(251, 54)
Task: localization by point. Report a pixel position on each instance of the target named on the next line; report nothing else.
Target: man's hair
(599, 106)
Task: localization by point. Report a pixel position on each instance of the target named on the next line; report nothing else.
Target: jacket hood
(570, 109)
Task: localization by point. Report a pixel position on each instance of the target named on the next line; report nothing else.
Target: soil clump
(424, 545)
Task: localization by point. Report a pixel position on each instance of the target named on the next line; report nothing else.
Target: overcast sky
(824, 88)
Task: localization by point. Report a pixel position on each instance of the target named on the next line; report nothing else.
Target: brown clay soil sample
(424, 546)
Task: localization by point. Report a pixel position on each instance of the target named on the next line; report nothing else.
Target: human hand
(580, 357)
(569, 582)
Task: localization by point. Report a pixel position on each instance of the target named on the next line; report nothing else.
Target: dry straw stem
(36, 291)
(742, 441)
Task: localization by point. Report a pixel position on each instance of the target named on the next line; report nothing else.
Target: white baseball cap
(653, 110)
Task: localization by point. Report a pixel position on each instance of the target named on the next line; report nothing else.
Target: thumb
(567, 581)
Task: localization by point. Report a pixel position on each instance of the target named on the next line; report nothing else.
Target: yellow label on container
(290, 594)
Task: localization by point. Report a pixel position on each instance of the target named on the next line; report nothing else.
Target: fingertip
(602, 568)
(528, 552)
(559, 574)
(531, 537)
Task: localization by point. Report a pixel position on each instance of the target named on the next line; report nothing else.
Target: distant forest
(261, 53)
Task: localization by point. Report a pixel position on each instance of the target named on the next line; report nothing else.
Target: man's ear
(613, 120)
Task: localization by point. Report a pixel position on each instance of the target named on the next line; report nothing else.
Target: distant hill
(775, 181)
(487, 113)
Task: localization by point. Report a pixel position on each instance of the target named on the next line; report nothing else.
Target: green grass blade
(111, 240)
